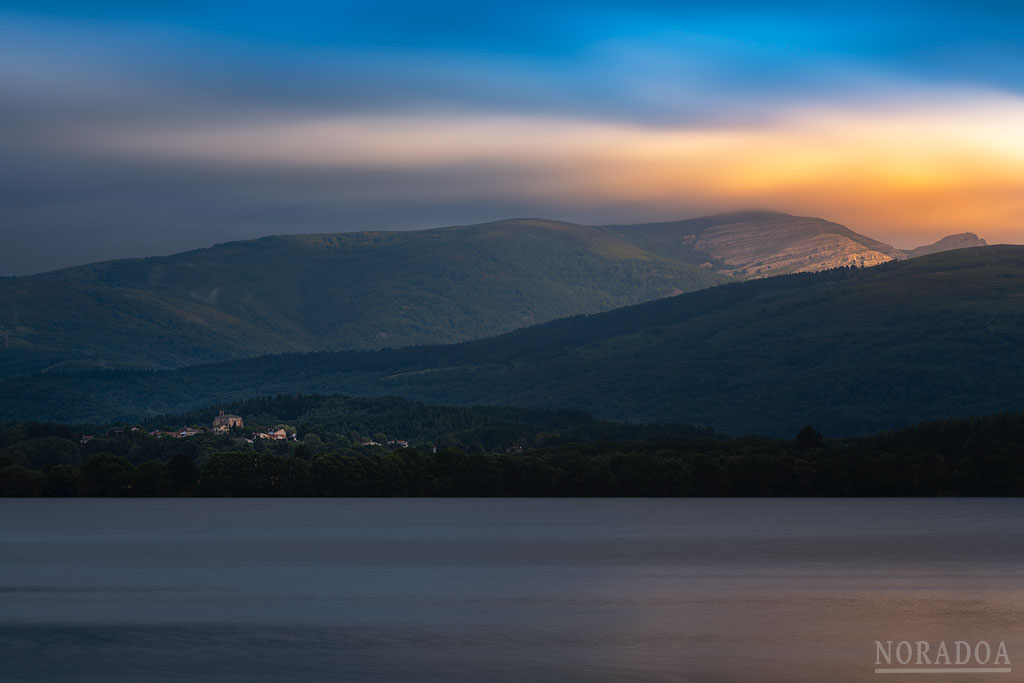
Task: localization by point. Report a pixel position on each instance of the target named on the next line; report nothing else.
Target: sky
(136, 129)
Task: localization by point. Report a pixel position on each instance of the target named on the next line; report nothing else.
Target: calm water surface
(500, 590)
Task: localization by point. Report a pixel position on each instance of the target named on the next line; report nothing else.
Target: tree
(313, 444)
(809, 438)
(182, 474)
(42, 451)
(105, 474)
(61, 481)
(18, 481)
(151, 479)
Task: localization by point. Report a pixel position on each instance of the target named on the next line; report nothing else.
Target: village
(224, 424)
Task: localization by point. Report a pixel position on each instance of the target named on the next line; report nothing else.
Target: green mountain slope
(332, 291)
(849, 351)
(392, 289)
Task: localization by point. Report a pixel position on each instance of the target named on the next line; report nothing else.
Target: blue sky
(130, 129)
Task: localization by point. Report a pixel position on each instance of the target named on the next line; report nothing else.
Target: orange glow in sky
(906, 175)
(134, 129)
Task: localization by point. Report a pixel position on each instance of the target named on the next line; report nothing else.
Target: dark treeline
(328, 424)
(966, 457)
(468, 428)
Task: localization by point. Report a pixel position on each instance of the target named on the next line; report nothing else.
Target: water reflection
(498, 590)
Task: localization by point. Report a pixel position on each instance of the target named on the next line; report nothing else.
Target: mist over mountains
(347, 291)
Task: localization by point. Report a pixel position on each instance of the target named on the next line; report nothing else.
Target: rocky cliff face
(761, 244)
(756, 244)
(761, 248)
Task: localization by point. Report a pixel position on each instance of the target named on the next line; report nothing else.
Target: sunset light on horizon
(131, 132)
(449, 341)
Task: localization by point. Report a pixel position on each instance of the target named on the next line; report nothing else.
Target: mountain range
(372, 290)
(850, 351)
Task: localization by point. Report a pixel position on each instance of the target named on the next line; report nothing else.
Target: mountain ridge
(851, 351)
(963, 240)
(367, 290)
(750, 244)
(331, 290)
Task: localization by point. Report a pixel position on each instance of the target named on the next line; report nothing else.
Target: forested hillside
(852, 351)
(378, 290)
(332, 291)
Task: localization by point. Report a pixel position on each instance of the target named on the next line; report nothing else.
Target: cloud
(130, 131)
